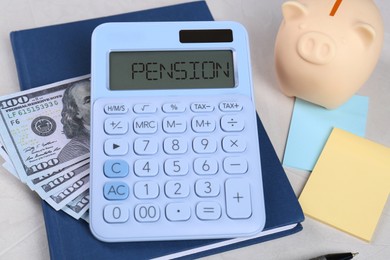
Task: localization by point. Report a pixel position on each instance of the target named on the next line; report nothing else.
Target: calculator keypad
(193, 161)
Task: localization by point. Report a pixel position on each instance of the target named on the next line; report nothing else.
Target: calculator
(174, 142)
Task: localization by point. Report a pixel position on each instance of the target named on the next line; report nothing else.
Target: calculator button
(145, 168)
(238, 199)
(178, 211)
(115, 213)
(208, 210)
(233, 144)
(145, 125)
(114, 147)
(230, 106)
(232, 123)
(145, 146)
(176, 167)
(116, 168)
(175, 145)
(173, 108)
(146, 213)
(115, 126)
(203, 124)
(177, 189)
(174, 125)
(204, 144)
(146, 190)
(235, 165)
(115, 109)
(202, 107)
(207, 188)
(204, 166)
(116, 190)
(144, 108)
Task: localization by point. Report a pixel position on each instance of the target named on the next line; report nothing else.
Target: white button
(115, 213)
(174, 125)
(203, 124)
(202, 107)
(115, 126)
(232, 123)
(145, 167)
(235, 165)
(146, 190)
(207, 188)
(178, 211)
(145, 125)
(175, 145)
(204, 166)
(147, 213)
(113, 109)
(208, 210)
(233, 144)
(114, 147)
(145, 146)
(174, 107)
(238, 199)
(144, 108)
(204, 145)
(177, 189)
(176, 167)
(230, 106)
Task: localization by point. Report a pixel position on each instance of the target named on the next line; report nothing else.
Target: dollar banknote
(42, 129)
(78, 207)
(65, 196)
(45, 142)
(53, 182)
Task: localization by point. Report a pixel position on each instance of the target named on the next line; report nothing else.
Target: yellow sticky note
(349, 185)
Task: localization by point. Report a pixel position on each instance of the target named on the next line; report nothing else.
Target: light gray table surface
(22, 229)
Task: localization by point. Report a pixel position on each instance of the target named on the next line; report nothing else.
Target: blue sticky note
(311, 126)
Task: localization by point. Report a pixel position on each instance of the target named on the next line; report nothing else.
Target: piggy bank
(325, 49)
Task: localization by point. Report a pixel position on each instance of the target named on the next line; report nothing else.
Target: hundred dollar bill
(79, 206)
(53, 182)
(65, 196)
(47, 128)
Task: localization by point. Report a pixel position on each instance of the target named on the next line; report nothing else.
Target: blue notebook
(53, 53)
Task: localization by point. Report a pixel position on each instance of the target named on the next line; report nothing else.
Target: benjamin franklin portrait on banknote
(76, 120)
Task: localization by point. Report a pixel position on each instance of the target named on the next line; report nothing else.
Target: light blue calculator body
(174, 143)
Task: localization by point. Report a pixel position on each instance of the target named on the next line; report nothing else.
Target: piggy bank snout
(316, 48)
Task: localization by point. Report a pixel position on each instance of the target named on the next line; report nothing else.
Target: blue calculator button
(116, 168)
(116, 190)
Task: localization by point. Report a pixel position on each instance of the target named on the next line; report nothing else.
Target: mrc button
(145, 125)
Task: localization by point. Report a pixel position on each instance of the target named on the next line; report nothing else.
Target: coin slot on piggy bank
(326, 50)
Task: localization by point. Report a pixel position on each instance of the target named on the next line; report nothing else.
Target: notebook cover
(53, 53)
(39, 52)
(72, 239)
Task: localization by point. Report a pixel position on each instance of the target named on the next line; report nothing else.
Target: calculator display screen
(171, 69)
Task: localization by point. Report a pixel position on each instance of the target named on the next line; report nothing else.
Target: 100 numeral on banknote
(33, 127)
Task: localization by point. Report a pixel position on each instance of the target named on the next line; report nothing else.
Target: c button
(116, 168)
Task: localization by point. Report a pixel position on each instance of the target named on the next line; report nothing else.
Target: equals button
(208, 210)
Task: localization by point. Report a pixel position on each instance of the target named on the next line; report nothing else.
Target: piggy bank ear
(366, 33)
(293, 10)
